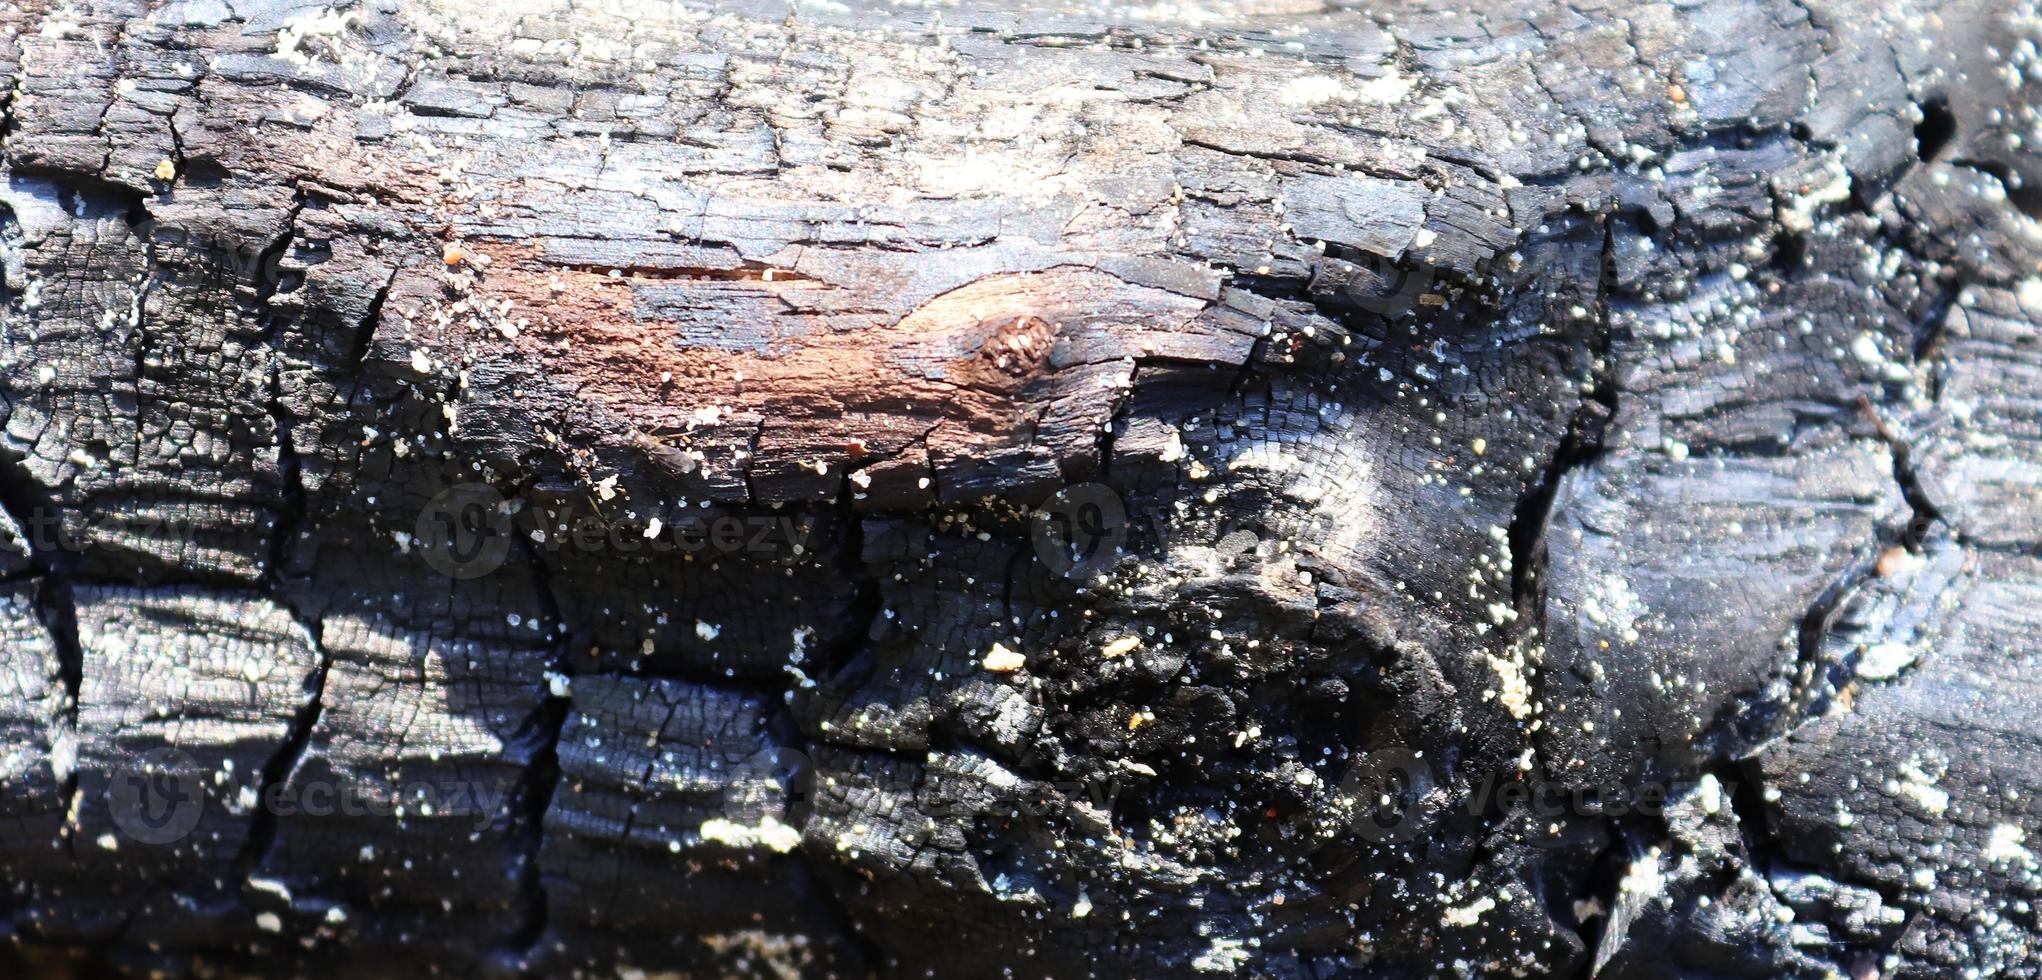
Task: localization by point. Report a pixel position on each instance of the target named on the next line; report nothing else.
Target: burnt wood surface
(1581, 467)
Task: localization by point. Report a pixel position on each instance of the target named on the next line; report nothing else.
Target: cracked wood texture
(1589, 398)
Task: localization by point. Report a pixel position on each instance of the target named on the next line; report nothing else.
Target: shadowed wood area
(1266, 489)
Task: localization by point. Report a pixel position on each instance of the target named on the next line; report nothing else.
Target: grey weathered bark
(1531, 406)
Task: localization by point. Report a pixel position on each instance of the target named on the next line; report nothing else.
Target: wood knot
(1016, 346)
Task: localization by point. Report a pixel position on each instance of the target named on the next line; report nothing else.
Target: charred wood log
(763, 489)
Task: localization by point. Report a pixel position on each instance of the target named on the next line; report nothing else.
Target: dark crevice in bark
(801, 794)
(1924, 512)
(23, 498)
(751, 458)
(1632, 837)
(1281, 289)
(847, 492)
(1808, 694)
(540, 734)
(1302, 158)
(9, 122)
(57, 607)
(1413, 287)
(1937, 127)
(747, 272)
(875, 957)
(365, 333)
(1237, 385)
(1746, 785)
(1935, 322)
(141, 223)
(288, 516)
(739, 684)
(1745, 781)
(1581, 446)
(534, 793)
(364, 339)
(861, 614)
(630, 815)
(866, 601)
(1110, 432)
(177, 157)
(1812, 687)
(262, 828)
